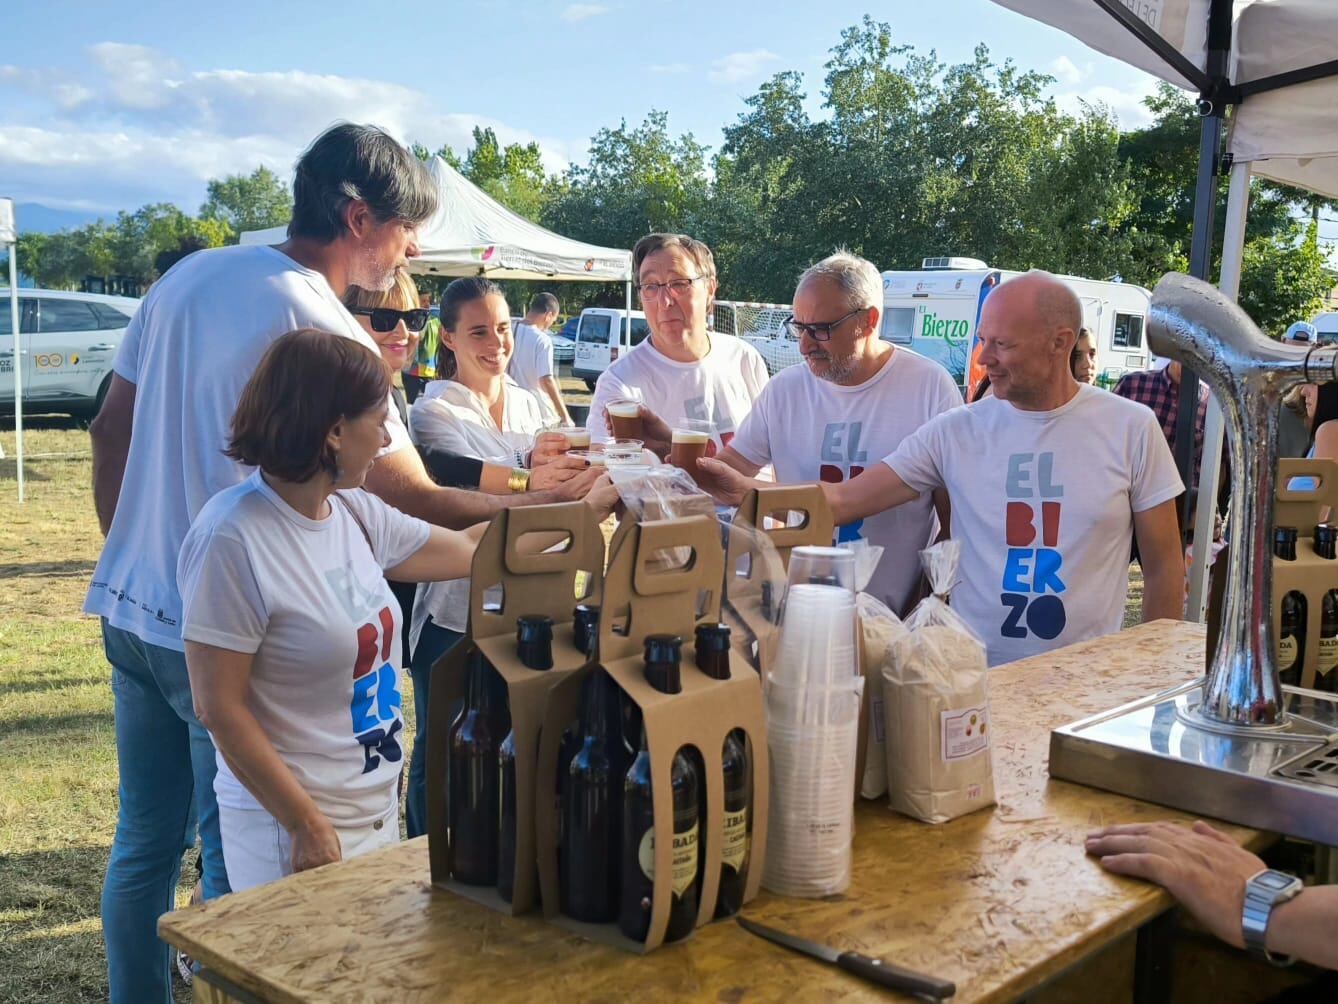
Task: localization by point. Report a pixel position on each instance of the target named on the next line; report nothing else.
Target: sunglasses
(384, 318)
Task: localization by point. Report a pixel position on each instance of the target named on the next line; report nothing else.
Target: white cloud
(138, 129)
(1125, 102)
(670, 68)
(1064, 70)
(582, 11)
(741, 65)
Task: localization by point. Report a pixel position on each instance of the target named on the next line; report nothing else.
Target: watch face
(1273, 880)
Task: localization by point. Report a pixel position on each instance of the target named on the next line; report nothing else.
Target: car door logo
(50, 361)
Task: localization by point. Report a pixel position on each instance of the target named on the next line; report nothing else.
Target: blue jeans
(434, 642)
(167, 768)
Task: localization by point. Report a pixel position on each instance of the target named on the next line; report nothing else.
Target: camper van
(935, 311)
(600, 336)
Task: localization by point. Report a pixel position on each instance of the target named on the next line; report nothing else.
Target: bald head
(1028, 328)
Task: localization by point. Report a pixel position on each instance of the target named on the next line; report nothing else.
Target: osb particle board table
(1000, 901)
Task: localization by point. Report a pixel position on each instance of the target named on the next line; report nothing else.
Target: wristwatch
(1263, 891)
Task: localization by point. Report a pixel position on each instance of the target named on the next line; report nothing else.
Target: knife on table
(874, 970)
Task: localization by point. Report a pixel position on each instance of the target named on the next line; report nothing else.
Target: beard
(371, 272)
(839, 368)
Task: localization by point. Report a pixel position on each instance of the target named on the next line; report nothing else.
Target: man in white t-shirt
(532, 358)
(158, 446)
(854, 401)
(1048, 479)
(681, 371)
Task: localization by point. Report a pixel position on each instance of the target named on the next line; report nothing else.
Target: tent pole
(18, 364)
(1233, 249)
(627, 331)
(1205, 212)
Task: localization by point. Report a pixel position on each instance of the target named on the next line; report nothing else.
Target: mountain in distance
(33, 216)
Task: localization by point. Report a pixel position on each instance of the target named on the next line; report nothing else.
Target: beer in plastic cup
(577, 438)
(625, 417)
(687, 446)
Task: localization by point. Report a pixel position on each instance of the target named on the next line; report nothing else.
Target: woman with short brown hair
(290, 629)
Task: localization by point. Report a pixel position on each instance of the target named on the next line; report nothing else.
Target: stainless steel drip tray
(1153, 749)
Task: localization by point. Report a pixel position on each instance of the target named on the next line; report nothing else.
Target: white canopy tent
(1272, 62)
(473, 234)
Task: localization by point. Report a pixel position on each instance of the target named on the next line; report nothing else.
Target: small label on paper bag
(965, 733)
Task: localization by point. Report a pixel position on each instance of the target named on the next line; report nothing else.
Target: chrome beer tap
(1195, 324)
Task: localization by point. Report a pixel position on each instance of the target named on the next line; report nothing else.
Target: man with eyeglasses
(682, 371)
(1048, 479)
(853, 402)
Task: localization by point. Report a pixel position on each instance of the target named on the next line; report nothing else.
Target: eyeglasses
(385, 318)
(817, 332)
(675, 287)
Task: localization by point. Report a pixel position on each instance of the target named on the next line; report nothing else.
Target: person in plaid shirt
(1159, 389)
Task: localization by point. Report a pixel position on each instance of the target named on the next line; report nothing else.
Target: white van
(935, 312)
(600, 336)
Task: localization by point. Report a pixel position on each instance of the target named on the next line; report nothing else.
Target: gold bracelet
(519, 480)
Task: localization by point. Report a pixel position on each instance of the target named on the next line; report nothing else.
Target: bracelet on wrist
(519, 480)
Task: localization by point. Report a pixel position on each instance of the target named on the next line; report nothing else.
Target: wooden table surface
(998, 901)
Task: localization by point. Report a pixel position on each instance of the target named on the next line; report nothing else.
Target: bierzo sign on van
(947, 329)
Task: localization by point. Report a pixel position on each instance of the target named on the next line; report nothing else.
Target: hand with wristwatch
(1228, 889)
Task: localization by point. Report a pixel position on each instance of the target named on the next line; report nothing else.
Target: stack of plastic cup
(813, 705)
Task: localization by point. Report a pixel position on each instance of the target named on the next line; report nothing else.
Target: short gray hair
(858, 278)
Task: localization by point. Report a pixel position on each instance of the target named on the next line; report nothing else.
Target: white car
(779, 350)
(564, 349)
(67, 344)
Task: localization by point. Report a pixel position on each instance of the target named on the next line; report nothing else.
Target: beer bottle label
(646, 854)
(1328, 655)
(1287, 651)
(734, 851)
(685, 860)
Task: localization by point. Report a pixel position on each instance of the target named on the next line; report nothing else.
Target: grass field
(58, 785)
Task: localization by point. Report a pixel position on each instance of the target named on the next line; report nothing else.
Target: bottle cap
(534, 641)
(1284, 535)
(713, 650)
(1326, 533)
(585, 627)
(663, 652)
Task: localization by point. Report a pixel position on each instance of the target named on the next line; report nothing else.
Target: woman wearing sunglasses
(476, 428)
(395, 321)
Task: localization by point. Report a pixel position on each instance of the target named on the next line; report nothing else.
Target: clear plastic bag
(936, 706)
(882, 629)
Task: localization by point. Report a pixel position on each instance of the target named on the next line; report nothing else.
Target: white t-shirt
(452, 418)
(813, 430)
(189, 350)
(531, 360)
(310, 600)
(1043, 504)
(720, 387)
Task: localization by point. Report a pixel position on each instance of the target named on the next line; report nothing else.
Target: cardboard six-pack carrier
(663, 577)
(531, 583)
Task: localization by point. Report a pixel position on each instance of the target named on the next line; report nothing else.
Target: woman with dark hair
(289, 627)
(476, 428)
(1321, 409)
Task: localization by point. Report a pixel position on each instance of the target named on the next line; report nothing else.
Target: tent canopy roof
(473, 234)
(1290, 133)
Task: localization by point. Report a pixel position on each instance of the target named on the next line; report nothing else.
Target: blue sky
(105, 106)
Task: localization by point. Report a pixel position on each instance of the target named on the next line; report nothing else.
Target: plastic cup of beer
(577, 437)
(625, 419)
(592, 457)
(688, 444)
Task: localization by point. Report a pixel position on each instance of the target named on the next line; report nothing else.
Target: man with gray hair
(856, 399)
(359, 198)
(1048, 479)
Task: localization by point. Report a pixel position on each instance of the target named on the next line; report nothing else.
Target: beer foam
(687, 436)
(625, 409)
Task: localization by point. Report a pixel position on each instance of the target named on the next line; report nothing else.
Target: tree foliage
(909, 157)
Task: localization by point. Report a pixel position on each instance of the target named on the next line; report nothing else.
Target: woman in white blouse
(476, 428)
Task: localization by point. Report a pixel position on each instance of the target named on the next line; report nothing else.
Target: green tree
(1283, 277)
(252, 201)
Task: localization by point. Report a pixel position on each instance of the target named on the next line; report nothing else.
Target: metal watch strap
(1258, 908)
